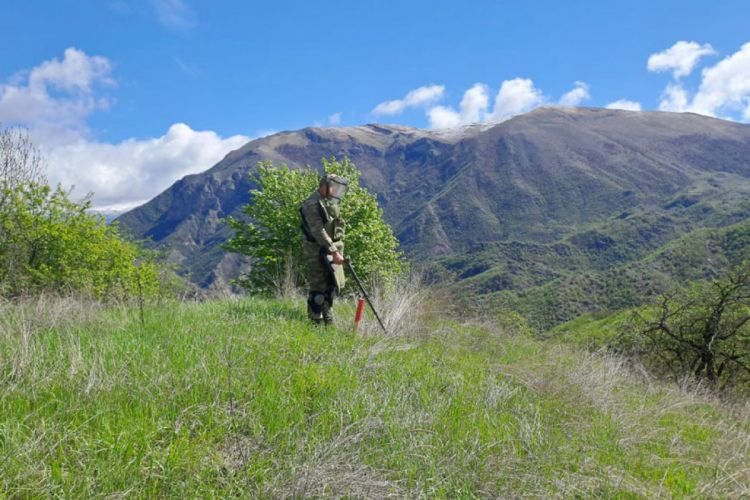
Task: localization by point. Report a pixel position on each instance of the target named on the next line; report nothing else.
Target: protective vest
(323, 231)
(321, 223)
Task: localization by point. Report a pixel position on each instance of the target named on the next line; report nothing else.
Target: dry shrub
(400, 306)
(285, 283)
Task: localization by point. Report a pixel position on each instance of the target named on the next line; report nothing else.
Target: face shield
(336, 188)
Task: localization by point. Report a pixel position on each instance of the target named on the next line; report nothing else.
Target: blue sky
(125, 97)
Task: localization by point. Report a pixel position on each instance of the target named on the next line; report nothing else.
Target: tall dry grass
(609, 382)
(401, 307)
(650, 413)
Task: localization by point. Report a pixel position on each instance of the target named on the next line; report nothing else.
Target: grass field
(241, 397)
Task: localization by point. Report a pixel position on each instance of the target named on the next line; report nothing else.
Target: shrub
(703, 331)
(49, 243)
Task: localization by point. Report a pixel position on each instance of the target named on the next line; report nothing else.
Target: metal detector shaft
(362, 289)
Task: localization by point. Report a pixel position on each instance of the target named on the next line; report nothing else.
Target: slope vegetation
(243, 398)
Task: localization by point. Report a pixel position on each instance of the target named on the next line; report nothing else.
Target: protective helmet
(336, 186)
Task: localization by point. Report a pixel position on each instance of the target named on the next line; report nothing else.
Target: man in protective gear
(323, 246)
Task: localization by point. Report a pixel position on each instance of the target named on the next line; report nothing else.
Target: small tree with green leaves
(50, 243)
(272, 238)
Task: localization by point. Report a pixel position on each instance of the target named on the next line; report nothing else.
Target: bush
(703, 332)
(49, 243)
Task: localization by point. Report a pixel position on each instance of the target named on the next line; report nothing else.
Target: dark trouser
(322, 285)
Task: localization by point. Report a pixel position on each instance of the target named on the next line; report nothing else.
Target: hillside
(244, 398)
(541, 200)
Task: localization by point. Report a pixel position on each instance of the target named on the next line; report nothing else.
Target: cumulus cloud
(724, 91)
(174, 14)
(725, 87)
(515, 97)
(473, 109)
(474, 103)
(576, 96)
(680, 58)
(55, 97)
(133, 171)
(443, 117)
(625, 105)
(421, 96)
(674, 98)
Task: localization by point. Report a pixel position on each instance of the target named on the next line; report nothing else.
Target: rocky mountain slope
(545, 196)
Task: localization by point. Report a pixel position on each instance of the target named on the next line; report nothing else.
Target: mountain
(555, 198)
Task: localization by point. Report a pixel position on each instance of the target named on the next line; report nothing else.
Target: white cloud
(724, 91)
(625, 105)
(680, 59)
(174, 14)
(473, 109)
(474, 103)
(515, 97)
(421, 96)
(55, 97)
(576, 96)
(76, 72)
(674, 98)
(443, 117)
(725, 87)
(132, 171)
(335, 119)
(54, 101)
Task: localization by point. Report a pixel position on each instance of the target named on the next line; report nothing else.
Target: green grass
(592, 331)
(244, 398)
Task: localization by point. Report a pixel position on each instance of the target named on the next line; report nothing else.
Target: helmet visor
(337, 189)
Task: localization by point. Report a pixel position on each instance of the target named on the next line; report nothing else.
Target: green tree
(49, 243)
(272, 238)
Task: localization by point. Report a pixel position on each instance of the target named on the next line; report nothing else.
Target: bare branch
(20, 161)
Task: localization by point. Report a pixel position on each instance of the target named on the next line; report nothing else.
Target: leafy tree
(704, 331)
(50, 243)
(272, 237)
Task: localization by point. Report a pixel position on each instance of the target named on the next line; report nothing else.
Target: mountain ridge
(539, 178)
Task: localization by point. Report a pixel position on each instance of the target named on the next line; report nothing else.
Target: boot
(327, 314)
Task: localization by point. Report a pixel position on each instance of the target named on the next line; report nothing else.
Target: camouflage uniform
(323, 231)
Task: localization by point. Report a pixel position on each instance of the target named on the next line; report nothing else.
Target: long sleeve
(313, 211)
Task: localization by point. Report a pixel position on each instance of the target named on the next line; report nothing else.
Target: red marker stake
(358, 314)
